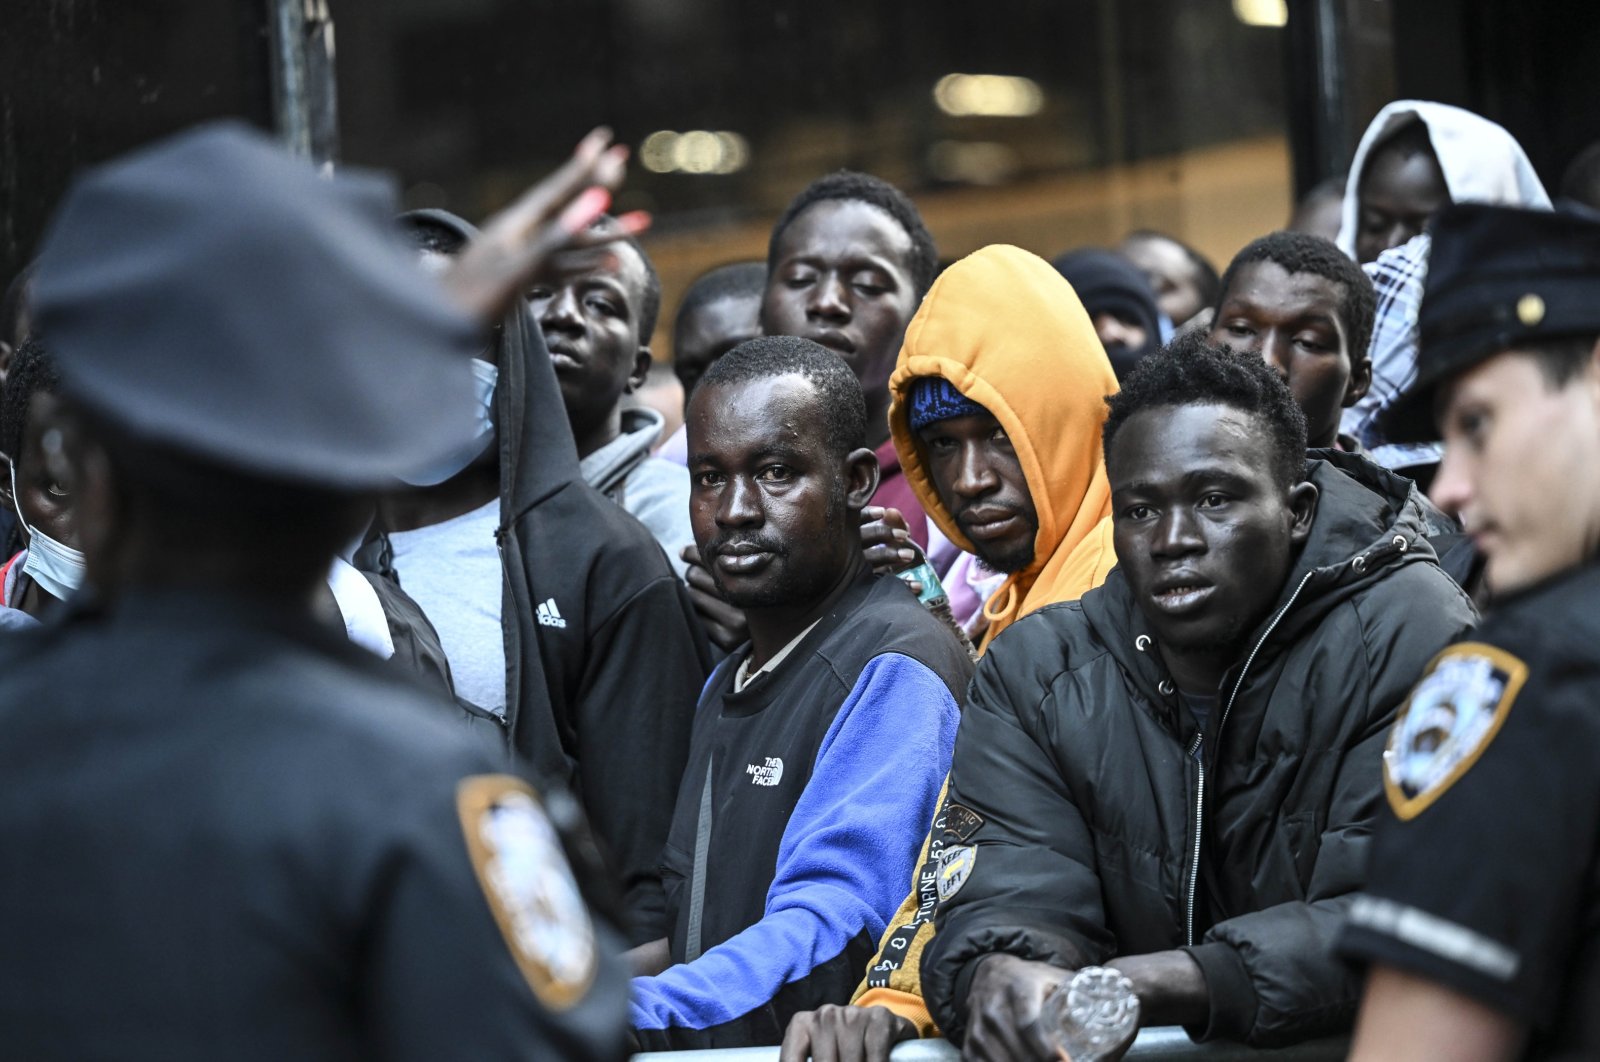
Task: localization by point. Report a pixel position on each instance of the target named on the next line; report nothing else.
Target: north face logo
(549, 615)
(769, 772)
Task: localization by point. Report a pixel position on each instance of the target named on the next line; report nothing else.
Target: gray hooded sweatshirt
(655, 491)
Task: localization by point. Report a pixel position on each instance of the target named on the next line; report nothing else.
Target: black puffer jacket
(1102, 835)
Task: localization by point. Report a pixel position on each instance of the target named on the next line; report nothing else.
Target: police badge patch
(955, 866)
(1453, 714)
(530, 889)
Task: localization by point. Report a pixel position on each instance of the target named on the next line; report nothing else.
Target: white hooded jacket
(1481, 162)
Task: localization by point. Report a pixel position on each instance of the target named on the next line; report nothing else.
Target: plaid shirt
(1397, 276)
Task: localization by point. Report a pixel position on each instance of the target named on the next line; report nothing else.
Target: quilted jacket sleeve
(1027, 884)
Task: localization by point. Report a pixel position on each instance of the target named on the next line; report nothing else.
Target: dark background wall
(468, 99)
(84, 80)
(1533, 67)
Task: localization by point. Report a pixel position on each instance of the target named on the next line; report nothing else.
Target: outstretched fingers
(556, 213)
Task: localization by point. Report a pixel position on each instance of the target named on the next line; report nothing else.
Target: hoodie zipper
(1194, 749)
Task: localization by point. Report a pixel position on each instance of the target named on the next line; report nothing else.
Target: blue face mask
(57, 568)
(484, 377)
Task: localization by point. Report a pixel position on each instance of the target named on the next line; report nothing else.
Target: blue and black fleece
(823, 777)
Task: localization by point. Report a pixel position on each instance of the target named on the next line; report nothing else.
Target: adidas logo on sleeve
(550, 616)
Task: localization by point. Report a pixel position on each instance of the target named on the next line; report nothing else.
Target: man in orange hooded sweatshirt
(996, 405)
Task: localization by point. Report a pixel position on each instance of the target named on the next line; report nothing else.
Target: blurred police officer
(1482, 919)
(224, 832)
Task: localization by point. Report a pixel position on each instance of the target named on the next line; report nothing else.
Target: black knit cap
(216, 297)
(1497, 277)
(1105, 282)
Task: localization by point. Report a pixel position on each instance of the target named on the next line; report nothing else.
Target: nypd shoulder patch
(525, 877)
(1454, 712)
(955, 867)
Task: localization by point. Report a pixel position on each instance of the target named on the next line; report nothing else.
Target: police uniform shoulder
(382, 718)
(1455, 711)
(408, 768)
(1514, 674)
(519, 862)
(29, 668)
(1556, 617)
(21, 643)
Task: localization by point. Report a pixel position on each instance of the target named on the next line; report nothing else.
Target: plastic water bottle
(1093, 1017)
(932, 594)
(936, 601)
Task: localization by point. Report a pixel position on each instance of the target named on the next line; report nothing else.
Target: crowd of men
(1014, 651)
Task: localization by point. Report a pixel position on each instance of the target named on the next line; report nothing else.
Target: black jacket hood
(1368, 520)
(604, 657)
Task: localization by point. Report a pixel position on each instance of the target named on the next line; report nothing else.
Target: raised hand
(554, 214)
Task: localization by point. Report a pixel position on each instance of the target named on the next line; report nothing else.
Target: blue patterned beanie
(933, 398)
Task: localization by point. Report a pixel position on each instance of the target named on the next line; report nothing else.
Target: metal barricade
(1164, 1044)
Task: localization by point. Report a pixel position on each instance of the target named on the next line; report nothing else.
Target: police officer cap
(213, 295)
(1497, 277)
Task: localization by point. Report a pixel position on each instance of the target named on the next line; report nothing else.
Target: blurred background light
(981, 162)
(1262, 12)
(988, 95)
(698, 151)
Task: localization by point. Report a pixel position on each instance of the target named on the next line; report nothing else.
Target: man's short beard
(793, 587)
(785, 591)
(1012, 559)
(1008, 561)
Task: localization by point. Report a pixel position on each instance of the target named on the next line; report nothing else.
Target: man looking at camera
(819, 745)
